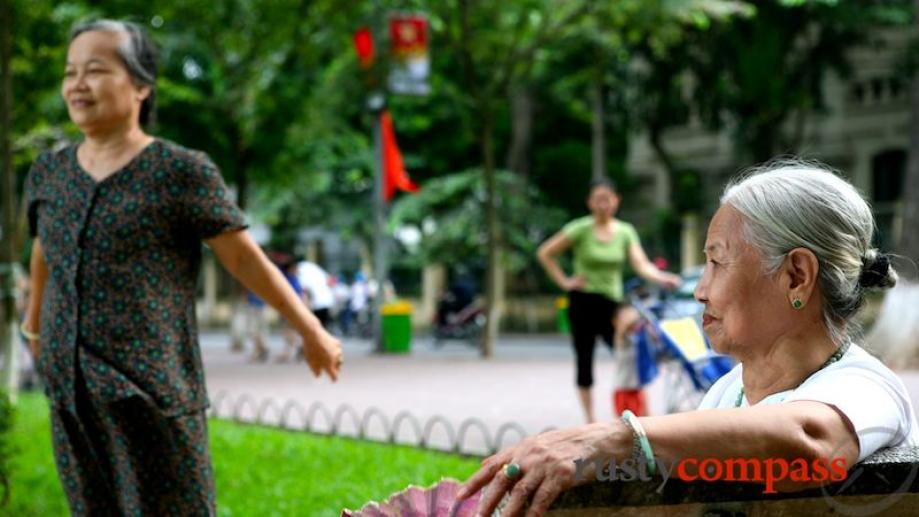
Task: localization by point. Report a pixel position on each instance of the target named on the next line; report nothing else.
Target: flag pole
(379, 236)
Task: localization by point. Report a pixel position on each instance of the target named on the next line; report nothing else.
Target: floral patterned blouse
(123, 256)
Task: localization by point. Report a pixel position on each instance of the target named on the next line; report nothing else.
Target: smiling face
(745, 308)
(97, 87)
(603, 202)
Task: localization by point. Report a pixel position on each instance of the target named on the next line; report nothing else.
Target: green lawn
(259, 471)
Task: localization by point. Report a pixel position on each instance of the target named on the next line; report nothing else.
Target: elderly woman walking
(118, 221)
(789, 260)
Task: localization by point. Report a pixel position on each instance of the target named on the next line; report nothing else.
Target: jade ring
(511, 470)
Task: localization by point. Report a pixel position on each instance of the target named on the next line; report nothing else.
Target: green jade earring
(797, 304)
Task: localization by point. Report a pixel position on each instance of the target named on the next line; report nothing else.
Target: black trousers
(590, 315)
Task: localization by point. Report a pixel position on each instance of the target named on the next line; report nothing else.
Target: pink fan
(436, 501)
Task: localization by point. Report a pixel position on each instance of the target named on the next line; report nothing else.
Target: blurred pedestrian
(288, 266)
(118, 221)
(358, 302)
(341, 311)
(601, 245)
(315, 283)
(255, 327)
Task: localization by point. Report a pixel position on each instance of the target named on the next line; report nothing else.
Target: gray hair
(788, 204)
(138, 54)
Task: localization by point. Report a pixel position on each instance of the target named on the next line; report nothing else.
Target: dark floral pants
(127, 459)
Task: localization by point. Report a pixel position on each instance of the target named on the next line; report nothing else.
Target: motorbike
(453, 322)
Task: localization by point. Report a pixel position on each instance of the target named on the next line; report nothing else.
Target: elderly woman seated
(788, 263)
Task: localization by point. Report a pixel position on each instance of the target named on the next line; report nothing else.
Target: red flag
(363, 44)
(394, 175)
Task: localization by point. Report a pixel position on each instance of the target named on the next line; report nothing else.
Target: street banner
(408, 36)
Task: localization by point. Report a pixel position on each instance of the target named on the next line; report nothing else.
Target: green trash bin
(397, 327)
(561, 313)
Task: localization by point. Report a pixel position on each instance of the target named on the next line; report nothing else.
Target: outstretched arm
(244, 259)
(550, 462)
(645, 269)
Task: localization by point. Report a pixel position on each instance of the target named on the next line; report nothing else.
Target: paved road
(530, 382)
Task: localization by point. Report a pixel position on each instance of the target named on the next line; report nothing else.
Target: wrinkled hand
(547, 463)
(575, 283)
(670, 280)
(322, 352)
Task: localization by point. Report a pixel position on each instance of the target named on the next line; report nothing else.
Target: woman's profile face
(744, 307)
(603, 201)
(97, 88)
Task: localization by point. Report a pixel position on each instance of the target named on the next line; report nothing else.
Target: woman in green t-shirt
(601, 245)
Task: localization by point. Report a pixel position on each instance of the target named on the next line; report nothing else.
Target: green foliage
(273, 92)
(449, 214)
(687, 193)
(6, 447)
(259, 471)
(756, 74)
(38, 55)
(327, 184)
(247, 70)
(667, 234)
(564, 170)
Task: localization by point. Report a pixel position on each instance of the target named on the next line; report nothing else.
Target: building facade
(863, 132)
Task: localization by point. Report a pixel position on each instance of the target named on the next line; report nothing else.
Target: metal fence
(471, 437)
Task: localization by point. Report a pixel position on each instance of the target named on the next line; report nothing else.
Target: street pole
(8, 332)
(376, 102)
(379, 219)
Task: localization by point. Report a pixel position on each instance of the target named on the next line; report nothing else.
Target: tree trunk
(493, 289)
(765, 139)
(433, 286)
(241, 163)
(518, 155)
(242, 186)
(597, 129)
(366, 255)
(797, 139)
(8, 317)
(691, 241)
(237, 331)
(665, 190)
(909, 241)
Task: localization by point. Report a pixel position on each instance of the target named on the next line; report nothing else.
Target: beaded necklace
(837, 355)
